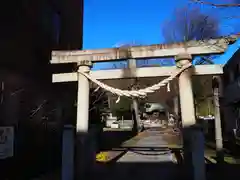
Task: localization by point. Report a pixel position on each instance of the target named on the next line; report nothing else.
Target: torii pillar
(193, 138)
(83, 152)
(217, 93)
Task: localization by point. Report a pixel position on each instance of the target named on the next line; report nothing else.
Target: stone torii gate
(183, 52)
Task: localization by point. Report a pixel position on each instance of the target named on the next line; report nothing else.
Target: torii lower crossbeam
(139, 72)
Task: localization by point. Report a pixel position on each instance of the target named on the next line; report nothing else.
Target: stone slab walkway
(145, 159)
(152, 141)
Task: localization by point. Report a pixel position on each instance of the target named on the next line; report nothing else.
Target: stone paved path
(145, 160)
(153, 141)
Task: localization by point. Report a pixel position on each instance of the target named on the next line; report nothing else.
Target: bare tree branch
(35, 111)
(190, 24)
(230, 17)
(94, 107)
(99, 98)
(217, 5)
(16, 92)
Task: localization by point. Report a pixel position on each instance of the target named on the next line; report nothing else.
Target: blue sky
(111, 22)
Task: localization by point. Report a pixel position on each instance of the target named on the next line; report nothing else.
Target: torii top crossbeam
(212, 46)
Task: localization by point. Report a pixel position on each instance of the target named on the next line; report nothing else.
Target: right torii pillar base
(193, 138)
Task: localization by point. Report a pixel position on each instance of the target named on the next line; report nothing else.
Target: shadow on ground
(114, 139)
(163, 170)
(138, 171)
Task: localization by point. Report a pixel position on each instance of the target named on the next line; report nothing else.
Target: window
(56, 27)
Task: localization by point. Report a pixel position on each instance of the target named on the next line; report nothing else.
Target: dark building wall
(231, 98)
(27, 30)
(28, 36)
(26, 40)
(71, 15)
